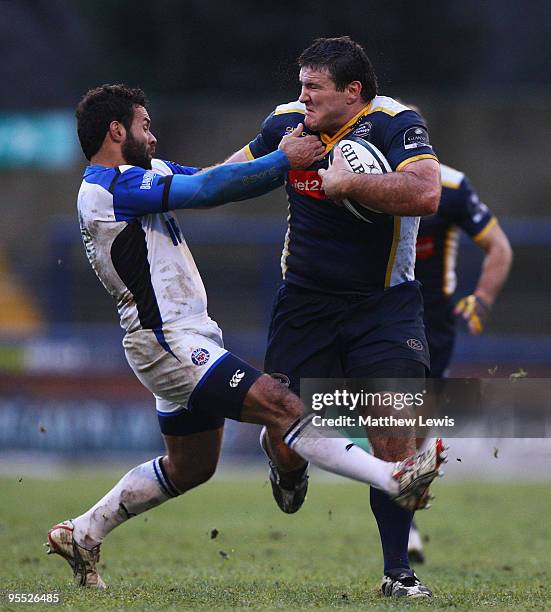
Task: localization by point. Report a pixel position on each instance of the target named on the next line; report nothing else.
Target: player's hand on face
(474, 312)
(334, 177)
(302, 151)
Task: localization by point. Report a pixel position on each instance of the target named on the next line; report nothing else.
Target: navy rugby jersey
(326, 247)
(438, 238)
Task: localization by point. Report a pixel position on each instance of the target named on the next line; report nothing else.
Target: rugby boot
(82, 560)
(404, 584)
(290, 491)
(415, 474)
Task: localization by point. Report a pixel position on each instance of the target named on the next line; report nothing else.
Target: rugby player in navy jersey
(349, 305)
(437, 248)
(437, 245)
(136, 247)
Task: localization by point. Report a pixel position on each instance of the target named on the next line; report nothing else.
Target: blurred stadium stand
(483, 84)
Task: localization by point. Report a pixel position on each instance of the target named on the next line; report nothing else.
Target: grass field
(488, 548)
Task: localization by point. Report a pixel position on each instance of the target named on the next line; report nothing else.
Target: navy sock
(393, 522)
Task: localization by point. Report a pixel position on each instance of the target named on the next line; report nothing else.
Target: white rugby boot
(82, 560)
(415, 474)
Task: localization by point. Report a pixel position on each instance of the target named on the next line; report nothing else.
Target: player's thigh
(303, 336)
(385, 327)
(270, 402)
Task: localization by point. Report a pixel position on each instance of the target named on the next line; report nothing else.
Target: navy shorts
(318, 335)
(440, 328)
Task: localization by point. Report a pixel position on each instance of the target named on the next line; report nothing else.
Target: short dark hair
(345, 60)
(99, 107)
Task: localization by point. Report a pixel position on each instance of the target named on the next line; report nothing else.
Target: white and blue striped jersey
(142, 259)
(135, 244)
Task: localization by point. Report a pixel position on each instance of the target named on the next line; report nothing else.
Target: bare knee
(185, 476)
(191, 460)
(271, 403)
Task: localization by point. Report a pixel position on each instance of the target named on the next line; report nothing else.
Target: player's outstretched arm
(411, 192)
(227, 183)
(240, 181)
(475, 308)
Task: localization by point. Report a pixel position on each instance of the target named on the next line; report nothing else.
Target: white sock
(341, 456)
(141, 489)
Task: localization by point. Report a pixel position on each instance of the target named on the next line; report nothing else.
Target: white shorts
(172, 372)
(195, 381)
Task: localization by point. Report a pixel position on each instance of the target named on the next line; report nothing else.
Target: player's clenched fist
(302, 151)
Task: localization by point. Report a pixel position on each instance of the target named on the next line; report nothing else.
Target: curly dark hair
(345, 60)
(99, 107)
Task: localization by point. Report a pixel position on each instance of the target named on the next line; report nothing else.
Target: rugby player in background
(460, 208)
(349, 305)
(135, 246)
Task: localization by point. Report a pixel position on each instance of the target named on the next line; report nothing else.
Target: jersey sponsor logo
(416, 137)
(307, 182)
(200, 356)
(424, 247)
(237, 378)
(147, 180)
(415, 344)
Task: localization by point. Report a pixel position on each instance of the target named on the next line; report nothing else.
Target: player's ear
(354, 91)
(117, 131)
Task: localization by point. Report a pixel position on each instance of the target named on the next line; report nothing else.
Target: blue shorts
(440, 328)
(318, 335)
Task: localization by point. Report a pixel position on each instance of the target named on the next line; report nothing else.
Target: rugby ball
(361, 157)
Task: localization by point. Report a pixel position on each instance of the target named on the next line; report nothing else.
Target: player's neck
(108, 158)
(351, 112)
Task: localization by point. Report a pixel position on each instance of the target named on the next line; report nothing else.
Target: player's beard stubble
(136, 153)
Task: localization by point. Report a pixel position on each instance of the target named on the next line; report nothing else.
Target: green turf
(488, 548)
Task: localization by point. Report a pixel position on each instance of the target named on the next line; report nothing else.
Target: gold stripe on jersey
(409, 160)
(450, 185)
(248, 153)
(449, 278)
(485, 229)
(393, 248)
(330, 141)
(386, 111)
